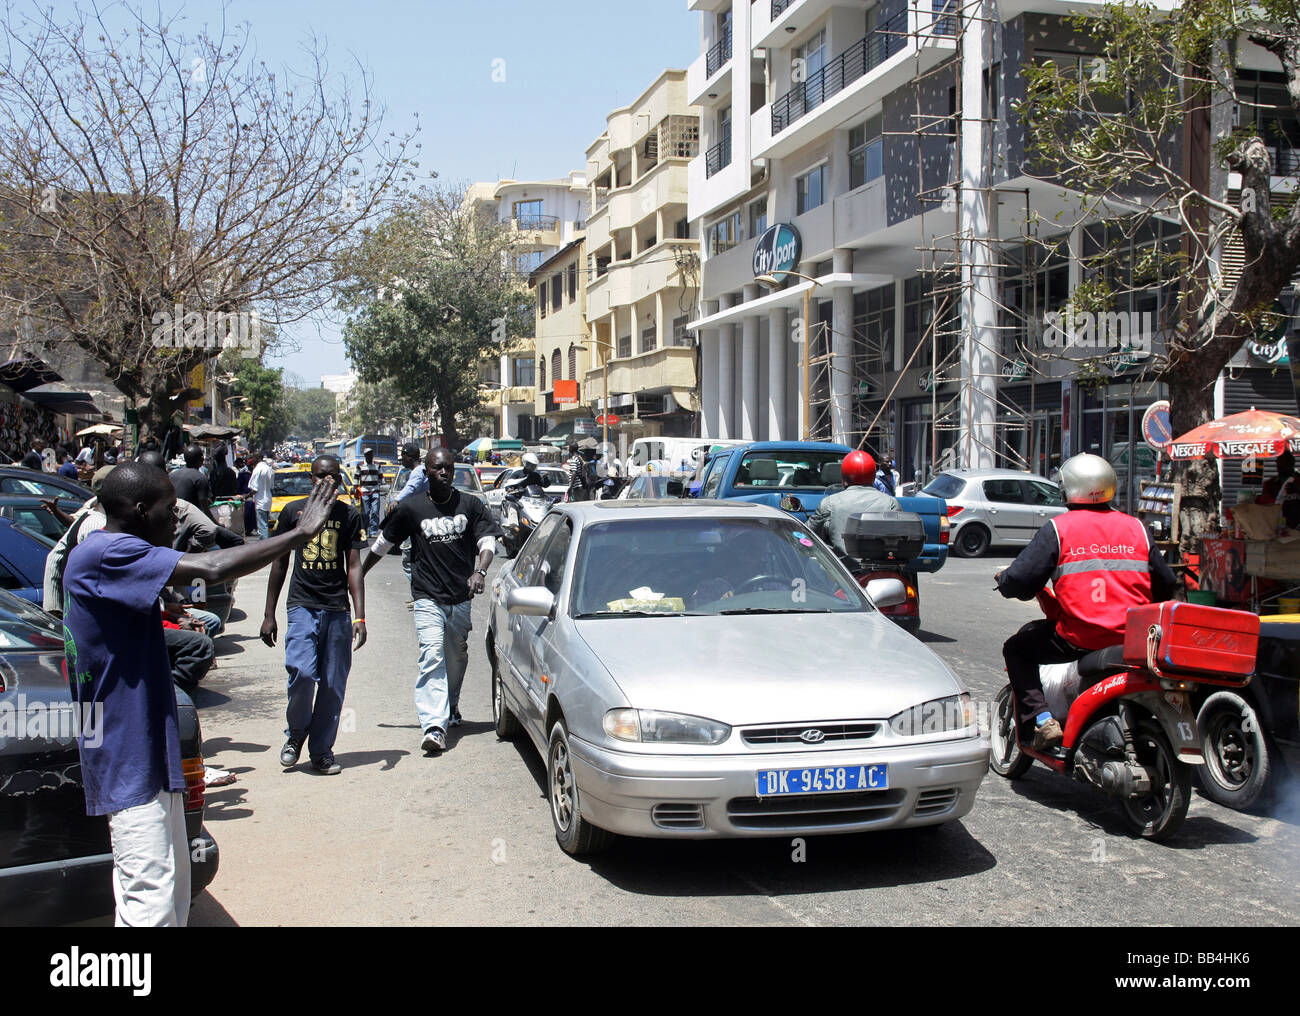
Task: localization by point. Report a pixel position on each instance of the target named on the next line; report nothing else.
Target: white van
(671, 454)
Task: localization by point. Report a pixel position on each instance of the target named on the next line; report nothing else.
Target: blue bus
(385, 449)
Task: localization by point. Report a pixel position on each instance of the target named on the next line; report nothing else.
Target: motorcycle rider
(528, 478)
(858, 471)
(1100, 562)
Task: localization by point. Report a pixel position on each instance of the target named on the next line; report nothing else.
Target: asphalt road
(401, 839)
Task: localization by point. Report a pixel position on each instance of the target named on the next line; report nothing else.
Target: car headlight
(648, 725)
(956, 712)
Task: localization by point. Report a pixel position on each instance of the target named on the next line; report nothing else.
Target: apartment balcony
(710, 73)
(537, 230)
(629, 281)
(515, 395)
(858, 77)
(669, 367)
(718, 157)
(771, 18)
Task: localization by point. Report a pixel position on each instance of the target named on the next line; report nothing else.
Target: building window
(556, 373)
(541, 373)
(922, 300)
(625, 345)
(725, 234)
(528, 214)
(811, 189)
(541, 299)
(649, 339)
(557, 290)
(873, 329)
(522, 371)
(866, 152)
(573, 362)
(526, 263)
(573, 282)
(758, 217)
(681, 335)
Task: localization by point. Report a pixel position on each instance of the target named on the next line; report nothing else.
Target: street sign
(1157, 427)
(608, 421)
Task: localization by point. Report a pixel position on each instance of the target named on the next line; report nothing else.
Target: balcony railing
(542, 223)
(718, 55)
(718, 157)
(947, 24)
(779, 6)
(864, 55)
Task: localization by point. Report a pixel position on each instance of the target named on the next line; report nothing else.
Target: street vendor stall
(1257, 561)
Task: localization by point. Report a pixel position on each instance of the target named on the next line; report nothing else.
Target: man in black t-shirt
(319, 641)
(191, 483)
(453, 539)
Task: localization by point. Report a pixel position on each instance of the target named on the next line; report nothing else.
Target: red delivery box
(1192, 642)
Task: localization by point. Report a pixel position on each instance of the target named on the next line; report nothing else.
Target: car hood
(769, 668)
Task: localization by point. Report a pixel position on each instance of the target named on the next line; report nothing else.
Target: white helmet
(1088, 479)
(532, 460)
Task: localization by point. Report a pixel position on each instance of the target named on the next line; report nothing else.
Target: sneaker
(290, 752)
(1048, 736)
(326, 764)
(456, 721)
(435, 741)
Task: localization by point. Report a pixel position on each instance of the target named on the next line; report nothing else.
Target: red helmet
(858, 470)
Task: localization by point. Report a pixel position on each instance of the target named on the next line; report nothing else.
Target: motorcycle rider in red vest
(1100, 562)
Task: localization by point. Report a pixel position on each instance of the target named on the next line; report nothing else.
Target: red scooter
(1130, 728)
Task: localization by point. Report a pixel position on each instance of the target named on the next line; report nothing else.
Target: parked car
(556, 480)
(792, 706)
(466, 479)
(1248, 734)
(653, 486)
(17, 480)
(30, 513)
(22, 561)
(56, 861)
(994, 507)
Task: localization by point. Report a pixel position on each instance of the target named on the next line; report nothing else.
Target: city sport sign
(777, 251)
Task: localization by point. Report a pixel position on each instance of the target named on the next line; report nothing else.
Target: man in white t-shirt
(260, 482)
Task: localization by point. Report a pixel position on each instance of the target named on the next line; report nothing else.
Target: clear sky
(565, 65)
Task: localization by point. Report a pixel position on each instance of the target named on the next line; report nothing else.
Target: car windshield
(944, 485)
(296, 484)
(466, 479)
(779, 470)
(707, 566)
(24, 626)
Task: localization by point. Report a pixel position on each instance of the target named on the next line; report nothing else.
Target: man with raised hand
(452, 543)
(120, 677)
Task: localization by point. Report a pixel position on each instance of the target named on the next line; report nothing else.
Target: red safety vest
(1103, 569)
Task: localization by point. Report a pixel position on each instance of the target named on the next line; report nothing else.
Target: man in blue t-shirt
(120, 676)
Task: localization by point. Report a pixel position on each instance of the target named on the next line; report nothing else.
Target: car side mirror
(790, 503)
(886, 592)
(531, 601)
(675, 488)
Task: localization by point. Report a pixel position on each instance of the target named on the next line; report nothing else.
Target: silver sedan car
(988, 507)
(708, 669)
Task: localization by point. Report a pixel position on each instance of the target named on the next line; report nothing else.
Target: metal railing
(544, 223)
(864, 55)
(718, 55)
(718, 157)
(779, 6)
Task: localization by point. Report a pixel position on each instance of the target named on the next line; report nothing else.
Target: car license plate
(823, 780)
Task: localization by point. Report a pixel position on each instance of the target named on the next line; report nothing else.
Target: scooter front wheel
(1006, 759)
(1158, 815)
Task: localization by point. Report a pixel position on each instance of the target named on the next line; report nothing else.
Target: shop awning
(77, 403)
(26, 373)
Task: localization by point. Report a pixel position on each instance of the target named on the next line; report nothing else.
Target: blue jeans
(318, 656)
(212, 625)
(263, 523)
(370, 513)
(443, 632)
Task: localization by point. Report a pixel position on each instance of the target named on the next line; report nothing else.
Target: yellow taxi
(294, 482)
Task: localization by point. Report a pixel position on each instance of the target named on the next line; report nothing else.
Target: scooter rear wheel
(1159, 815)
(1006, 759)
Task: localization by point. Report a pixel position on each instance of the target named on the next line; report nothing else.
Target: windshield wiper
(771, 610)
(635, 613)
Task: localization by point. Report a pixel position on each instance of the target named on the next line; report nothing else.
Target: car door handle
(993, 511)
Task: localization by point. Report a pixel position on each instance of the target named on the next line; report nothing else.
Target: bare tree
(163, 194)
(1131, 133)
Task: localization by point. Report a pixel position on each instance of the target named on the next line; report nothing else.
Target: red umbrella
(1253, 434)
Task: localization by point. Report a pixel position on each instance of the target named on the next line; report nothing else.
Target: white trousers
(151, 863)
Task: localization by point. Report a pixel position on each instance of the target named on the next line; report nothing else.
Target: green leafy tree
(310, 411)
(266, 417)
(376, 407)
(1132, 138)
(161, 193)
(432, 292)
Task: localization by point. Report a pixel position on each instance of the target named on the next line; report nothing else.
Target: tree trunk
(1191, 403)
(450, 436)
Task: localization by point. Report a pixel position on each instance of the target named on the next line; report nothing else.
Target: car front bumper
(702, 796)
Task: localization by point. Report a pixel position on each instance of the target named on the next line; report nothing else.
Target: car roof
(994, 474)
(588, 512)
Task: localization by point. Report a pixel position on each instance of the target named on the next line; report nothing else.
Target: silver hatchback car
(710, 669)
(994, 507)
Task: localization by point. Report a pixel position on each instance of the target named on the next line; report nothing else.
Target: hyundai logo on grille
(812, 736)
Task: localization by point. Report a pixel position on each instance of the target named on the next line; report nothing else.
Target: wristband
(359, 620)
(481, 571)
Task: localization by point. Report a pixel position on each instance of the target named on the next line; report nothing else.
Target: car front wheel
(576, 836)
